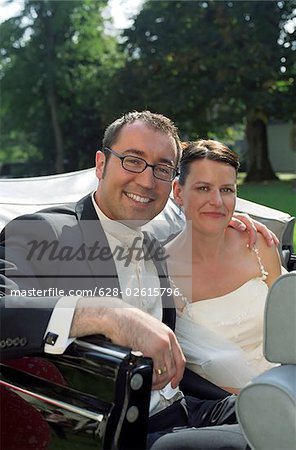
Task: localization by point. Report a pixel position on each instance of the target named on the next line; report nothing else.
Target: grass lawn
(276, 194)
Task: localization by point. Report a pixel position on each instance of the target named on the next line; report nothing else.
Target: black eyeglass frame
(122, 158)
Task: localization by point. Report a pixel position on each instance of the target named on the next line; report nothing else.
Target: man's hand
(143, 332)
(243, 222)
(132, 328)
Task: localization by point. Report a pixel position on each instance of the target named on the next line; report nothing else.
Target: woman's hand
(243, 222)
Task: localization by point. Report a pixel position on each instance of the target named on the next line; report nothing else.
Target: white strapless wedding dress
(222, 337)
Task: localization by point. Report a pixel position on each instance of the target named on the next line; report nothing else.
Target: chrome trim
(98, 348)
(58, 403)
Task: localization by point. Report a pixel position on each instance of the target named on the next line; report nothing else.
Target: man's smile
(138, 198)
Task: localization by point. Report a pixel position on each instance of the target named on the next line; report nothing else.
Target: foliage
(55, 61)
(19, 147)
(208, 64)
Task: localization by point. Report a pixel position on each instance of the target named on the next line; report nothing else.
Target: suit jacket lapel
(100, 259)
(168, 305)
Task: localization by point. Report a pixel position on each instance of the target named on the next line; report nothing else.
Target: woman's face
(208, 195)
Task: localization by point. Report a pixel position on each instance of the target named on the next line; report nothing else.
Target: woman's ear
(177, 191)
(100, 164)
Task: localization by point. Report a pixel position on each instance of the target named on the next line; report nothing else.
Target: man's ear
(100, 164)
(177, 190)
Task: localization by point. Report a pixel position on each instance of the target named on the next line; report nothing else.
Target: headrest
(280, 321)
(266, 409)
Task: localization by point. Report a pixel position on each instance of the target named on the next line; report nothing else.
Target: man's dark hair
(156, 121)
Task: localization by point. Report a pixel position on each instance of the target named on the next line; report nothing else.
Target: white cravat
(137, 277)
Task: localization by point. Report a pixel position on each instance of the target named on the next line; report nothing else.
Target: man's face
(124, 195)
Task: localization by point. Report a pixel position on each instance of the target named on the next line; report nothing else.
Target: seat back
(280, 321)
(266, 407)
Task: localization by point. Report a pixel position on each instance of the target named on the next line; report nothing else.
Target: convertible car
(96, 395)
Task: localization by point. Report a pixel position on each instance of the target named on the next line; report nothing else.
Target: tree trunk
(59, 160)
(260, 168)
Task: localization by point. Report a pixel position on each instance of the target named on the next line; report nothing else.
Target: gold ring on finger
(161, 371)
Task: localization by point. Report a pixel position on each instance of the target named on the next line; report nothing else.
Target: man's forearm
(97, 315)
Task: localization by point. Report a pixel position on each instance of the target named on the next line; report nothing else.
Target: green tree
(56, 62)
(211, 64)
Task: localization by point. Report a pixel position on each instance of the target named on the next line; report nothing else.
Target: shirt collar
(116, 229)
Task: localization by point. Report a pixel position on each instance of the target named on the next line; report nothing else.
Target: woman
(222, 283)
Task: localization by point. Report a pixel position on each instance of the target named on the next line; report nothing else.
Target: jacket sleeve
(23, 320)
(23, 323)
(22, 244)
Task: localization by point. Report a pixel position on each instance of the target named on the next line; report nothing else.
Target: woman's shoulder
(269, 257)
(238, 240)
(265, 250)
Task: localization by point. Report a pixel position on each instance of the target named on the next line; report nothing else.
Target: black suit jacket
(52, 254)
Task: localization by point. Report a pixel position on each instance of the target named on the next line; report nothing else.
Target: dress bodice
(222, 337)
(237, 316)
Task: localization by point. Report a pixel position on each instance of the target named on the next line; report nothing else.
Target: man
(137, 163)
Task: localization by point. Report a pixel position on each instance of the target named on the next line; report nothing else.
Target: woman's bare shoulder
(263, 248)
(237, 239)
(270, 258)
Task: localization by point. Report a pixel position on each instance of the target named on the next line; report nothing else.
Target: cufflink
(51, 338)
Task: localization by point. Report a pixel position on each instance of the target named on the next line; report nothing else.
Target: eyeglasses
(138, 165)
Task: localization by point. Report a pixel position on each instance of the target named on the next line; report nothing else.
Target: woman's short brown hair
(205, 149)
